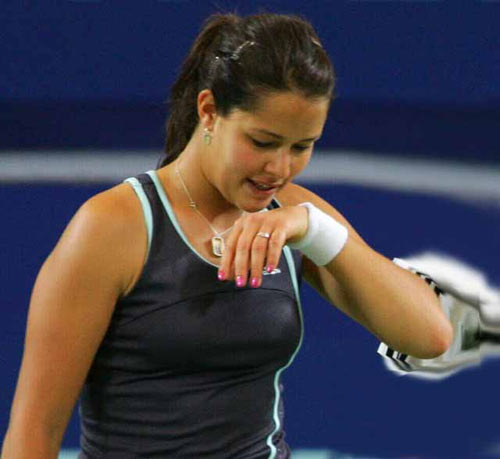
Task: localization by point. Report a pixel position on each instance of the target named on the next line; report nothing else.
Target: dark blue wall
(414, 77)
(338, 394)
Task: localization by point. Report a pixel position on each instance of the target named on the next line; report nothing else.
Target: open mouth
(262, 186)
(261, 189)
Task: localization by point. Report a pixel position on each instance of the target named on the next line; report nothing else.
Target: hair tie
(236, 54)
(316, 42)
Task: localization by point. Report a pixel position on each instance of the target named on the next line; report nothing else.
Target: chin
(255, 205)
(250, 201)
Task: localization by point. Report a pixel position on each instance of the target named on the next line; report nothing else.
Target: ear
(207, 112)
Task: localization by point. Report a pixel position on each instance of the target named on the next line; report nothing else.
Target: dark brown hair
(241, 58)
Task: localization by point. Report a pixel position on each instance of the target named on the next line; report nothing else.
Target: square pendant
(218, 246)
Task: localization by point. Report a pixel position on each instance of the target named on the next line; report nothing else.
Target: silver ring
(261, 234)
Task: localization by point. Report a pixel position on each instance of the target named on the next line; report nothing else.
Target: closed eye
(271, 145)
(301, 147)
(262, 144)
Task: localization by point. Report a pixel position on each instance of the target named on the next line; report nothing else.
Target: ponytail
(183, 117)
(240, 58)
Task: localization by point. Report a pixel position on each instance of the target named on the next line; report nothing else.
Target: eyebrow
(277, 136)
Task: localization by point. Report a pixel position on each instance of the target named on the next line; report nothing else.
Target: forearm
(394, 304)
(30, 443)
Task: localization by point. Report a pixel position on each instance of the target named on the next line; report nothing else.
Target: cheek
(243, 160)
(300, 163)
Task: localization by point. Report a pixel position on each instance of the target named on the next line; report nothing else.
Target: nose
(279, 163)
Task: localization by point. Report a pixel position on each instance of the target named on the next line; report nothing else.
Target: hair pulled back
(240, 59)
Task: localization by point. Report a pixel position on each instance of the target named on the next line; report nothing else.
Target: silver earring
(207, 137)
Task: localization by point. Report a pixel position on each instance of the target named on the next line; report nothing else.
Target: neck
(206, 196)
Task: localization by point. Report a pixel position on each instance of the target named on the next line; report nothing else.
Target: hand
(247, 254)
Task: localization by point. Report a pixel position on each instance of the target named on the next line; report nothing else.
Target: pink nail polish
(254, 283)
(239, 281)
(270, 268)
(221, 275)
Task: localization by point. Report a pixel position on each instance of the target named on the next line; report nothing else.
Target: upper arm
(319, 277)
(93, 263)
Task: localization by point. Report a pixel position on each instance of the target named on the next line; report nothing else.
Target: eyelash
(269, 145)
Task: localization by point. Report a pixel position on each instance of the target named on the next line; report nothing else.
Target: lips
(263, 188)
(262, 185)
(265, 185)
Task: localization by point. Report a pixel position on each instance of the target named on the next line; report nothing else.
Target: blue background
(338, 394)
(415, 79)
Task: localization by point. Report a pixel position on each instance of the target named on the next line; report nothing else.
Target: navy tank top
(190, 366)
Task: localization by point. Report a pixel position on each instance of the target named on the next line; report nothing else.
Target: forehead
(288, 114)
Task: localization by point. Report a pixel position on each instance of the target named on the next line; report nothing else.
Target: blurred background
(410, 155)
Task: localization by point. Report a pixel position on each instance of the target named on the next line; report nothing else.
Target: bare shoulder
(293, 194)
(111, 226)
(72, 302)
(119, 205)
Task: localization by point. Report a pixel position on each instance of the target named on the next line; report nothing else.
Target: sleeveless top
(190, 366)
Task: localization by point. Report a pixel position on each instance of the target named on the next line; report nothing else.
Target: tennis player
(170, 304)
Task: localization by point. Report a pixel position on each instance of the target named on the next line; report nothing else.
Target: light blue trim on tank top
(171, 214)
(173, 218)
(146, 208)
(293, 275)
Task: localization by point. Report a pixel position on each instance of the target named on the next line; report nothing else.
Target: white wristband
(324, 239)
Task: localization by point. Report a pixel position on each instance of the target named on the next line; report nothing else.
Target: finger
(242, 252)
(258, 256)
(226, 270)
(274, 249)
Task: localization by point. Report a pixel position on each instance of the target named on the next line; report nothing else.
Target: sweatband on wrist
(324, 239)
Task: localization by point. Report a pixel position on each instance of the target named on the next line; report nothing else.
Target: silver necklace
(218, 244)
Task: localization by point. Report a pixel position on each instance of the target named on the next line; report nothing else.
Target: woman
(171, 300)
